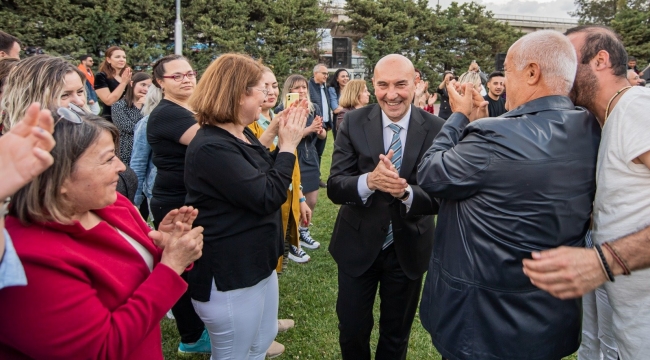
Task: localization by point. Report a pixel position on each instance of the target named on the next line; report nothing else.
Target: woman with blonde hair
(354, 95)
(307, 158)
(112, 79)
(473, 78)
(48, 80)
(234, 286)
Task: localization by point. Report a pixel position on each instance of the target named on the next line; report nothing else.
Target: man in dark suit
(384, 230)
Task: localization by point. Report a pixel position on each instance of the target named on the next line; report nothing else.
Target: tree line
(630, 19)
(285, 34)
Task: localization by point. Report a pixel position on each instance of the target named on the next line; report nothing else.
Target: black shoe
(322, 184)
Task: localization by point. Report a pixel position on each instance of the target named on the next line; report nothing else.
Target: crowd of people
(186, 198)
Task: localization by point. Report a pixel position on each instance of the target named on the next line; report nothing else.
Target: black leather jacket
(507, 186)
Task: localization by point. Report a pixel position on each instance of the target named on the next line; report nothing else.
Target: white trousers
(242, 323)
(597, 332)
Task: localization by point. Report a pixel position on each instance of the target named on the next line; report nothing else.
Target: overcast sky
(541, 8)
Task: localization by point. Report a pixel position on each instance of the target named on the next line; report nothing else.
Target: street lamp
(178, 31)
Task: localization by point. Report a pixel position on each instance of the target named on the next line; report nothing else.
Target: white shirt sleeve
(635, 130)
(408, 202)
(365, 192)
(362, 188)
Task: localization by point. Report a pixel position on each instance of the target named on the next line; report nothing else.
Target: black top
(445, 108)
(102, 81)
(167, 123)
(238, 189)
(127, 183)
(496, 108)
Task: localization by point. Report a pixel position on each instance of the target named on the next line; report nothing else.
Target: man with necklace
(622, 204)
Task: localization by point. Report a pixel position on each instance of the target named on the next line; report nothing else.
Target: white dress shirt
(362, 183)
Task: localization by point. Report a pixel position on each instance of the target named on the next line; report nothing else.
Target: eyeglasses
(72, 114)
(264, 91)
(179, 77)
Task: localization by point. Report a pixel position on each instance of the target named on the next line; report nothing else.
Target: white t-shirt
(622, 207)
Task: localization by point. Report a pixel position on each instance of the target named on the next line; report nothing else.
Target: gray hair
(154, 95)
(554, 54)
(41, 200)
(318, 66)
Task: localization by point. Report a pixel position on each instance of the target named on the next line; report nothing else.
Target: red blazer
(90, 294)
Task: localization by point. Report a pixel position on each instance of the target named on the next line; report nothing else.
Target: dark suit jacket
(361, 229)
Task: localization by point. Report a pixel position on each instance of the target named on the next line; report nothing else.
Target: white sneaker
(298, 255)
(170, 315)
(307, 241)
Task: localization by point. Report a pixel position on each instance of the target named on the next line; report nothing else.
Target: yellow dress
(292, 205)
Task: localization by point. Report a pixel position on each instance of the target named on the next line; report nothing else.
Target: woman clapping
(238, 187)
(97, 285)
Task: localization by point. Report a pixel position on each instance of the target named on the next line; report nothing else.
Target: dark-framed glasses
(179, 77)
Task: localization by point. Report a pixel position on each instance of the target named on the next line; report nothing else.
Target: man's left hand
(389, 165)
(565, 272)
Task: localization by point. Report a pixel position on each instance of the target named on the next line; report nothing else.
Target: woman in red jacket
(98, 285)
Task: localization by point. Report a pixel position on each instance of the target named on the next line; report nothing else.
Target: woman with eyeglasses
(98, 279)
(112, 79)
(307, 158)
(239, 187)
(170, 129)
(126, 112)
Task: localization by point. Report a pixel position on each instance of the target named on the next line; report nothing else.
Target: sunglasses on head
(73, 114)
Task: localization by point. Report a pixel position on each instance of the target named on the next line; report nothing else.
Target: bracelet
(603, 263)
(303, 199)
(618, 258)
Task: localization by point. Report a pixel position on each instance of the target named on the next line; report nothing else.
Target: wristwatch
(405, 196)
(4, 209)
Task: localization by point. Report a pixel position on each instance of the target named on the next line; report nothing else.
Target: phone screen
(291, 98)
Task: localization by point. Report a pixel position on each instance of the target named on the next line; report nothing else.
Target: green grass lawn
(308, 295)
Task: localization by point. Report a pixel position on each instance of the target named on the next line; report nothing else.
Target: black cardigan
(238, 189)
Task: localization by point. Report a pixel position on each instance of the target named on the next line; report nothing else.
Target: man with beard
(508, 186)
(622, 204)
(496, 85)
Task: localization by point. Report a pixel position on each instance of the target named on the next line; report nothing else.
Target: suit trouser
(189, 324)
(399, 297)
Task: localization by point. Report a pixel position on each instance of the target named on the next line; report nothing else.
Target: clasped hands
(463, 98)
(386, 178)
(181, 243)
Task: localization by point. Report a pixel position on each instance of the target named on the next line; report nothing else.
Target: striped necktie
(396, 146)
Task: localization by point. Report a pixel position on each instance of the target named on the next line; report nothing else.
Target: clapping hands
(25, 150)
(386, 178)
(465, 99)
(181, 244)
